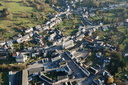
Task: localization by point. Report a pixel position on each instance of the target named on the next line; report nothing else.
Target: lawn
(122, 29)
(69, 26)
(16, 6)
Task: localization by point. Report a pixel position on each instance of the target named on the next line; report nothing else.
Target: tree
(110, 80)
(3, 31)
(119, 48)
(1, 80)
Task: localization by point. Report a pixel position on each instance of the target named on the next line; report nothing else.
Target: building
(51, 37)
(21, 78)
(105, 28)
(20, 57)
(93, 70)
(125, 54)
(2, 43)
(68, 44)
(80, 37)
(29, 30)
(99, 55)
(3, 55)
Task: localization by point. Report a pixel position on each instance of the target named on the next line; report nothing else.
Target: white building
(20, 57)
(29, 30)
(68, 44)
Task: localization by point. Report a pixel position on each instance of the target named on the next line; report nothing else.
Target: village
(59, 59)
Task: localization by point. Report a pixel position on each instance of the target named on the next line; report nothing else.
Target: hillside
(20, 14)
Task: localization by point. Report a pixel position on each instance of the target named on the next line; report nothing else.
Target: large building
(21, 78)
(68, 44)
(20, 57)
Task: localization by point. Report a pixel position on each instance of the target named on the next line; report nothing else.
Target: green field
(17, 8)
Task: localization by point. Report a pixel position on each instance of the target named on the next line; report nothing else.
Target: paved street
(76, 71)
(35, 65)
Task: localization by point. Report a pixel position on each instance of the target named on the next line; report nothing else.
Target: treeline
(40, 5)
(97, 3)
(5, 67)
(118, 63)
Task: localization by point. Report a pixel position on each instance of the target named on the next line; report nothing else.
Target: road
(36, 64)
(76, 71)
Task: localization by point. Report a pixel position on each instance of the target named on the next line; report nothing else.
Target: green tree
(1, 80)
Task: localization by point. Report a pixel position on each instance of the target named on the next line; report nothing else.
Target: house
(20, 57)
(107, 60)
(37, 27)
(90, 33)
(29, 30)
(52, 24)
(14, 54)
(106, 74)
(125, 54)
(9, 43)
(104, 28)
(53, 19)
(66, 69)
(99, 42)
(45, 60)
(2, 43)
(31, 34)
(3, 55)
(40, 30)
(78, 33)
(126, 22)
(68, 44)
(55, 58)
(23, 39)
(93, 70)
(19, 40)
(69, 54)
(97, 37)
(15, 37)
(98, 82)
(47, 23)
(87, 64)
(19, 35)
(51, 37)
(99, 55)
(58, 20)
(92, 14)
(45, 27)
(80, 37)
(66, 38)
(26, 37)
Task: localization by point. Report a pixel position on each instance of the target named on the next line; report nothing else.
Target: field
(17, 8)
(69, 26)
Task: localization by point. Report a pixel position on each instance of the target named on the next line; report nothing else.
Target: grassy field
(69, 26)
(17, 7)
